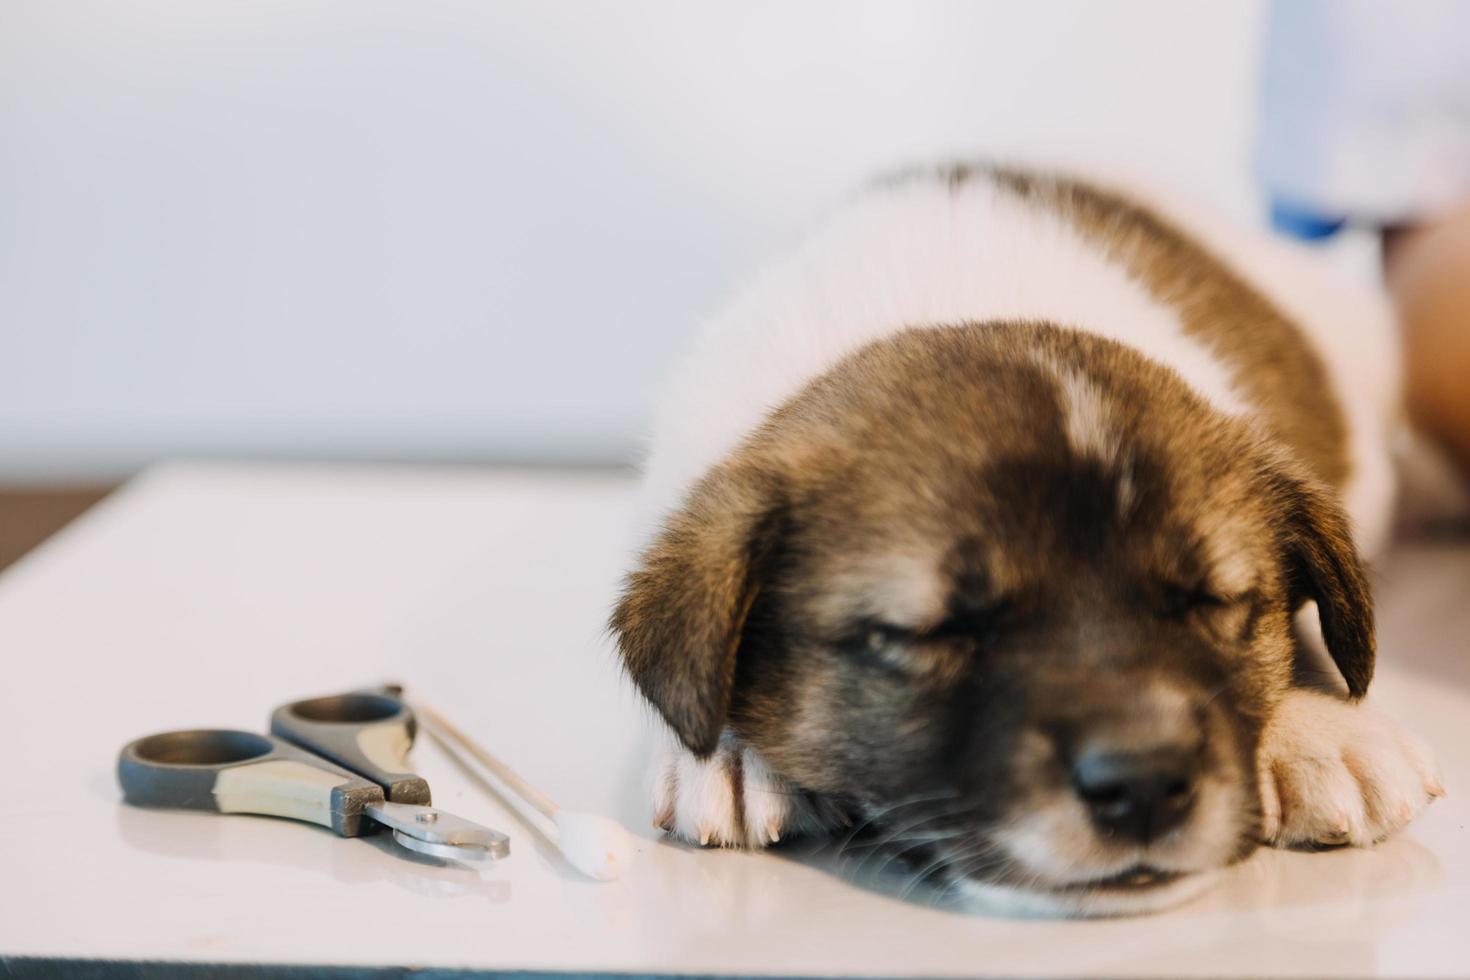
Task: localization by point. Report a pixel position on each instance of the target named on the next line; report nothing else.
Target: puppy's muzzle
(1133, 754)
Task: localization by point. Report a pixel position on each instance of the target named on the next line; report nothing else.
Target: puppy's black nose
(1138, 795)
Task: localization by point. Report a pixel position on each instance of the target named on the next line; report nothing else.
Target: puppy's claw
(727, 799)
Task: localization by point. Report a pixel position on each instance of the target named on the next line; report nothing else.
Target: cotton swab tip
(595, 845)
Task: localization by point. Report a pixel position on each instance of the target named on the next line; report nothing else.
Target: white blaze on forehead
(1086, 415)
(1090, 427)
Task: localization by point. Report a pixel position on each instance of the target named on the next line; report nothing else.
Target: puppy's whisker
(1210, 696)
(890, 844)
(892, 831)
(889, 809)
(903, 852)
(946, 860)
(906, 836)
(908, 843)
(989, 865)
(917, 800)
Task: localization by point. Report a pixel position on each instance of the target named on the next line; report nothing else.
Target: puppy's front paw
(1333, 772)
(730, 799)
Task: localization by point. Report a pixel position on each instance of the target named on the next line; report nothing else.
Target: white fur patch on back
(912, 254)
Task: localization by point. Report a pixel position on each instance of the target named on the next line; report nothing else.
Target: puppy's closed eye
(880, 645)
(1174, 601)
(911, 650)
(1228, 617)
(878, 637)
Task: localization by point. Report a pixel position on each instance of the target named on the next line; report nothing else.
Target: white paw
(730, 799)
(1333, 772)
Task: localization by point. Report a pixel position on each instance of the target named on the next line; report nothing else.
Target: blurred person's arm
(1428, 271)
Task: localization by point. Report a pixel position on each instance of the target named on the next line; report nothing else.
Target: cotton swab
(595, 845)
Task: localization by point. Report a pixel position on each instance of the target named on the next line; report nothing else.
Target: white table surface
(204, 595)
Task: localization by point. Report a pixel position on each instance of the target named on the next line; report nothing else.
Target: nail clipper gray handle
(367, 732)
(225, 771)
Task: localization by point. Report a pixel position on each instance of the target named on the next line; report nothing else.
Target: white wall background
(465, 229)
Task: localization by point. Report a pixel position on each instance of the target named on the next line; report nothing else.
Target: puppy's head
(1012, 593)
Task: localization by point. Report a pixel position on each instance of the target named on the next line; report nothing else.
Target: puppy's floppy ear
(1322, 564)
(683, 608)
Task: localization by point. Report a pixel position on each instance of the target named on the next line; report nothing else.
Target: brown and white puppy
(984, 518)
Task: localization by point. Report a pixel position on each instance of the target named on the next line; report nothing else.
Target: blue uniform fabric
(1366, 112)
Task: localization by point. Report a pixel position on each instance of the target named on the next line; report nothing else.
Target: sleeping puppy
(983, 521)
